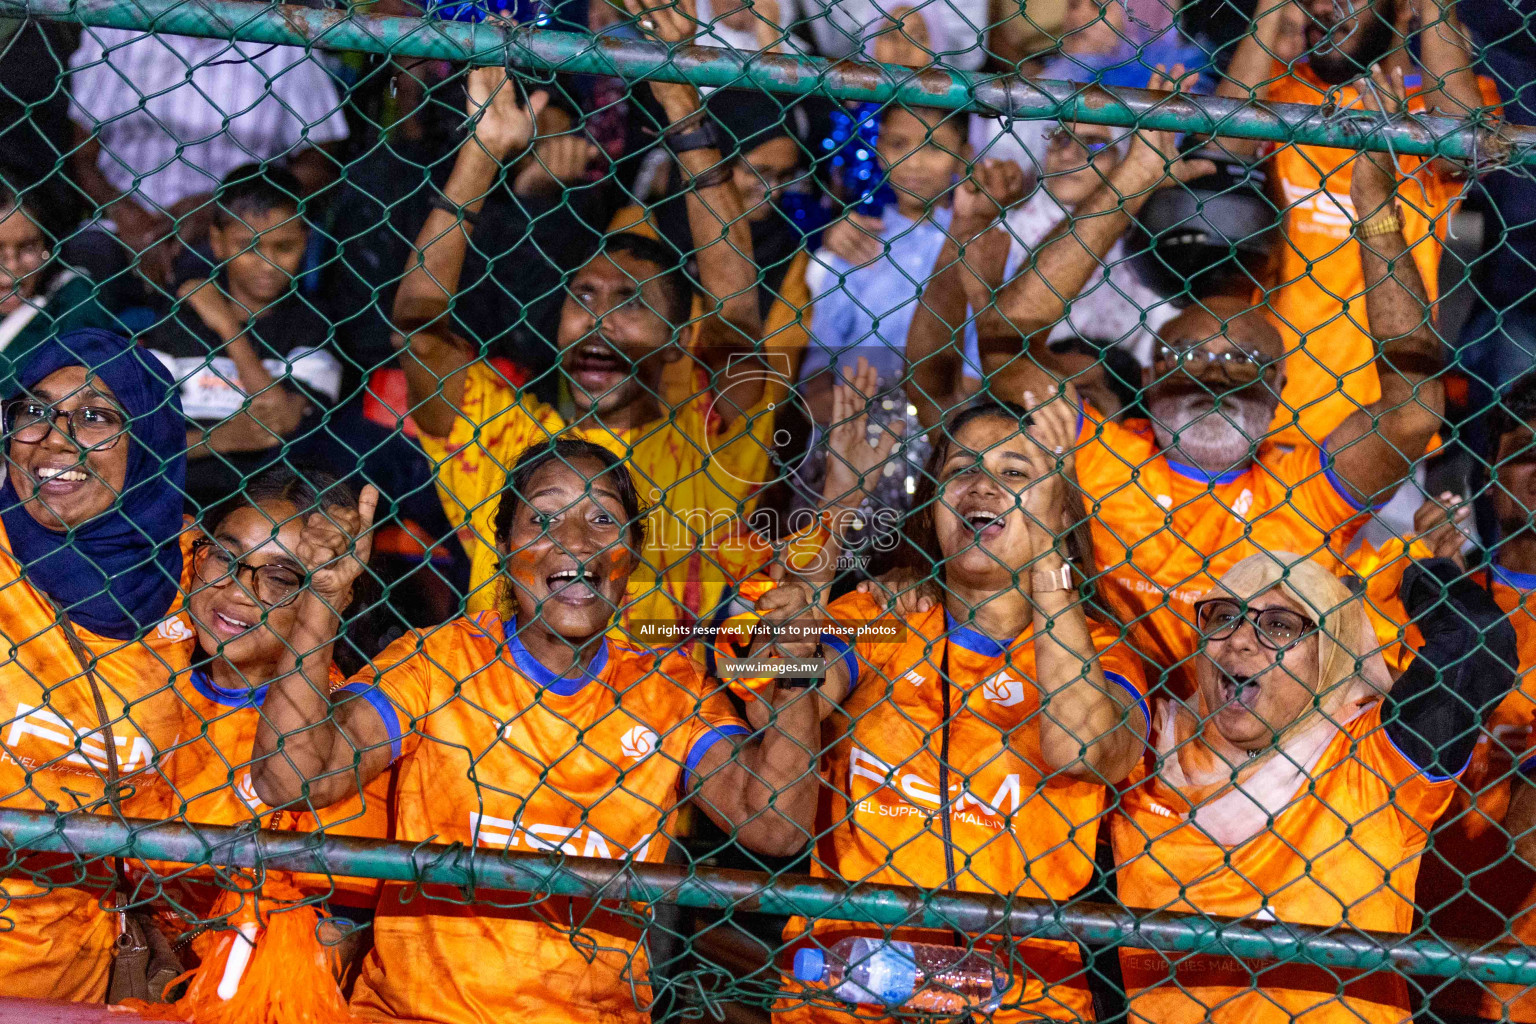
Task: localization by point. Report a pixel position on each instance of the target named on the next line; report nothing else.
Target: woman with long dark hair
(975, 751)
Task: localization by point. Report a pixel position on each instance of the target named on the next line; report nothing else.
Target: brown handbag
(143, 962)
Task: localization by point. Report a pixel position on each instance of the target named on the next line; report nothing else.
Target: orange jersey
(1516, 1002)
(695, 476)
(57, 942)
(1014, 826)
(496, 752)
(1319, 306)
(209, 777)
(1164, 532)
(1344, 850)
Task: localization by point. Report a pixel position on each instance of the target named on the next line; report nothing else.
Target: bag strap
(87, 668)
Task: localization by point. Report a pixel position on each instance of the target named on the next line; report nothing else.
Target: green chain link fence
(1145, 700)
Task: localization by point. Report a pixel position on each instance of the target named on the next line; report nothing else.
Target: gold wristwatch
(1386, 222)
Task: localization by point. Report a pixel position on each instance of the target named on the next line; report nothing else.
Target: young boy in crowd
(249, 351)
(864, 310)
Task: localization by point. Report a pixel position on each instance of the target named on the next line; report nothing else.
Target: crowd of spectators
(403, 450)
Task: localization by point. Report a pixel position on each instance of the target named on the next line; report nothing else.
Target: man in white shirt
(162, 118)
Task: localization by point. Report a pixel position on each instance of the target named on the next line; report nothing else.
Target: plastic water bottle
(908, 975)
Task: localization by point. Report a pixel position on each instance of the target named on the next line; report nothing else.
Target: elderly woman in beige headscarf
(1303, 784)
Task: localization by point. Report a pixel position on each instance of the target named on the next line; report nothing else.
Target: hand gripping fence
(794, 508)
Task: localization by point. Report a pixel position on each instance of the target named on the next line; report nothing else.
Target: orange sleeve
(399, 685)
(1414, 793)
(1105, 458)
(1317, 495)
(712, 720)
(1123, 667)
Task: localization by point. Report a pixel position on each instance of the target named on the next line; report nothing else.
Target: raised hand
(1373, 177)
(853, 463)
(794, 601)
(557, 161)
(1154, 151)
(1052, 464)
(856, 238)
(670, 21)
(1439, 523)
(503, 126)
(334, 546)
(991, 188)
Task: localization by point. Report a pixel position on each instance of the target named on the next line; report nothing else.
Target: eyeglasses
(89, 426)
(272, 585)
(1276, 628)
(1234, 364)
(1063, 138)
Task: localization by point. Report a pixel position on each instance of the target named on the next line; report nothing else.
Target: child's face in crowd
(1252, 693)
(1078, 157)
(567, 560)
(227, 610)
(23, 251)
(979, 515)
(923, 153)
(261, 253)
(1514, 481)
(1093, 26)
(70, 482)
(614, 340)
(762, 173)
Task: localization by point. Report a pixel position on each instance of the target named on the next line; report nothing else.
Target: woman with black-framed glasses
(243, 598)
(91, 561)
(1303, 783)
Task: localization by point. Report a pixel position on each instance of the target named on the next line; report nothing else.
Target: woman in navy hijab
(91, 627)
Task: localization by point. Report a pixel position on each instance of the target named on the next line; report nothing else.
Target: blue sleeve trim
(1528, 766)
(1338, 484)
(845, 651)
(1141, 701)
(703, 743)
(386, 709)
(1431, 776)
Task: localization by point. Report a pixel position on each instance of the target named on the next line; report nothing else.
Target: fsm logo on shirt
(41, 723)
(507, 833)
(1004, 689)
(638, 743)
(920, 790)
(174, 630)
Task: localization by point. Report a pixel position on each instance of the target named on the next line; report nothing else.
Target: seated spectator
(962, 694)
(568, 733)
(250, 353)
(1180, 499)
(247, 576)
(767, 159)
(625, 316)
(1302, 784)
(40, 295)
(1330, 372)
(162, 119)
(92, 549)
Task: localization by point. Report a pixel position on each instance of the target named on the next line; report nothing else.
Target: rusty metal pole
(84, 838)
(1009, 95)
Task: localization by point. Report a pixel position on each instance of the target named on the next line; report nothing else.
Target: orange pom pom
(290, 976)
